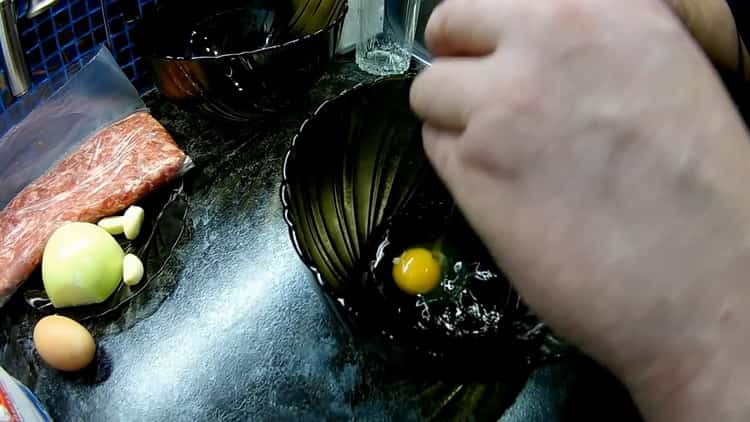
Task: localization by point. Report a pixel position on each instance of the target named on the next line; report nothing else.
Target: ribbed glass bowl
(353, 165)
(239, 59)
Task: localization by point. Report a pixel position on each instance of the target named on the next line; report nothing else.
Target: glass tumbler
(386, 42)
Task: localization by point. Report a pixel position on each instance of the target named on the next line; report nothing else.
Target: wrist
(718, 391)
(702, 372)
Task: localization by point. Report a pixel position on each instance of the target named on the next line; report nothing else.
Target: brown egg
(63, 343)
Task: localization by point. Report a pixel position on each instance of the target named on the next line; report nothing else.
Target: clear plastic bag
(94, 98)
(89, 151)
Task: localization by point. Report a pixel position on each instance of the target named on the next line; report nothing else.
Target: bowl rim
(337, 21)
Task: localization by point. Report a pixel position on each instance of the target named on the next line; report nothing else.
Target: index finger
(464, 28)
(446, 93)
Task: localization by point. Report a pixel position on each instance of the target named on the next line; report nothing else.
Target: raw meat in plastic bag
(88, 152)
(114, 169)
(96, 97)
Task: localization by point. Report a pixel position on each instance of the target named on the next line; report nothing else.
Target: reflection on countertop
(233, 328)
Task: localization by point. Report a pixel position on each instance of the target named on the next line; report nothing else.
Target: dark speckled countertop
(233, 328)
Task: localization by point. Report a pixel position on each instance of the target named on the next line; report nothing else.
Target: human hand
(596, 153)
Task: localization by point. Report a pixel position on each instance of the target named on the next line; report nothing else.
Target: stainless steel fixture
(38, 6)
(16, 70)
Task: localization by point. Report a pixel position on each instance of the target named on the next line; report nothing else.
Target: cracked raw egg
(417, 271)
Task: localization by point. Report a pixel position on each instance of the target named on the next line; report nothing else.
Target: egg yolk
(417, 271)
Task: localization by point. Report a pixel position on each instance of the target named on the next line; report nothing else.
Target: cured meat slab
(109, 172)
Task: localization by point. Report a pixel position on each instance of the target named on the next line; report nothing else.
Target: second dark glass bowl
(238, 59)
(355, 164)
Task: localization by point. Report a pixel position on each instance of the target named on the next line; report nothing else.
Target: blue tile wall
(56, 41)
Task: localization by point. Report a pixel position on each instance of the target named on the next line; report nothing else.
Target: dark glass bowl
(355, 164)
(238, 59)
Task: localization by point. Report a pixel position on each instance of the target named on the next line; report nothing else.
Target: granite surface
(233, 328)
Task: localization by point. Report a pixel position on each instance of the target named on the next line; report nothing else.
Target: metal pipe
(16, 71)
(36, 7)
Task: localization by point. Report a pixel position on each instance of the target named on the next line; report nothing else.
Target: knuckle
(553, 13)
(440, 157)
(436, 25)
(437, 157)
(482, 156)
(440, 20)
(525, 96)
(428, 94)
(472, 155)
(494, 145)
(572, 14)
(417, 95)
(519, 89)
(562, 9)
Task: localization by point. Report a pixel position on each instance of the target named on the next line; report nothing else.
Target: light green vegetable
(132, 270)
(81, 265)
(113, 225)
(132, 221)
